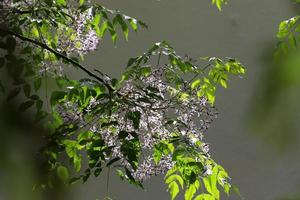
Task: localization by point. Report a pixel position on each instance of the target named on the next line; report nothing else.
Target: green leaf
(40, 115)
(171, 171)
(210, 183)
(207, 185)
(157, 154)
(173, 189)
(219, 3)
(13, 93)
(27, 90)
(61, 2)
(135, 117)
(74, 180)
(61, 81)
(81, 2)
(113, 35)
(56, 96)
(204, 197)
(37, 83)
(86, 175)
(145, 71)
(34, 97)
(131, 61)
(192, 189)
(130, 178)
(25, 105)
(71, 147)
(195, 83)
(123, 25)
(63, 173)
(96, 21)
(237, 191)
(131, 151)
(39, 104)
(103, 29)
(35, 32)
(77, 163)
(163, 148)
(142, 24)
(133, 24)
(286, 27)
(223, 80)
(175, 177)
(97, 171)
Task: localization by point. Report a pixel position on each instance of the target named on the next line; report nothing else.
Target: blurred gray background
(263, 161)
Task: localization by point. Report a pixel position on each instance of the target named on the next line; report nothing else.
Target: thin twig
(196, 75)
(107, 184)
(60, 55)
(158, 60)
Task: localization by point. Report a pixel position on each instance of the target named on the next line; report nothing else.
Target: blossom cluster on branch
(152, 121)
(146, 111)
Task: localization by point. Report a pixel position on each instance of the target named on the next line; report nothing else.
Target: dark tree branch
(60, 55)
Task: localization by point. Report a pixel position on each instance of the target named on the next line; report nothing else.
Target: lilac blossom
(78, 38)
(7, 4)
(192, 117)
(148, 168)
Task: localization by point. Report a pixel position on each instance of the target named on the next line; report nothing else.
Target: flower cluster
(147, 109)
(76, 35)
(83, 37)
(194, 110)
(11, 4)
(8, 5)
(86, 37)
(76, 39)
(148, 168)
(70, 113)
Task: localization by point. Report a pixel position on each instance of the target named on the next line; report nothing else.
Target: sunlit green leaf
(125, 30)
(35, 31)
(103, 29)
(175, 177)
(204, 197)
(133, 24)
(195, 83)
(219, 3)
(173, 189)
(286, 27)
(63, 173)
(61, 2)
(81, 2)
(191, 191)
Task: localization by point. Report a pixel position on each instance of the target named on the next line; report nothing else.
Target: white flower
(207, 170)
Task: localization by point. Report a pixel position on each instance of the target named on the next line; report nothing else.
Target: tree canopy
(150, 121)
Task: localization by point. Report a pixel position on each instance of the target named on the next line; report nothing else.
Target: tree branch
(60, 55)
